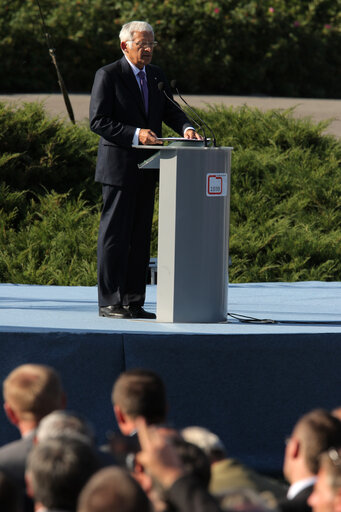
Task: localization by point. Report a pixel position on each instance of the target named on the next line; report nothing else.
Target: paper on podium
(153, 162)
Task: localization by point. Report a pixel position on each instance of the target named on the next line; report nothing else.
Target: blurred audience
(228, 473)
(164, 470)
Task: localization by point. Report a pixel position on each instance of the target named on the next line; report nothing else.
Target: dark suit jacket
(13, 458)
(116, 110)
(299, 503)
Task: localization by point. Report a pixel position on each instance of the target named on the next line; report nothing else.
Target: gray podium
(194, 204)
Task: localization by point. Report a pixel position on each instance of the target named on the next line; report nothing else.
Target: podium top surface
(173, 147)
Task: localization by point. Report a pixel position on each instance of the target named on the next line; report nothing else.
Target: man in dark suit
(314, 433)
(127, 109)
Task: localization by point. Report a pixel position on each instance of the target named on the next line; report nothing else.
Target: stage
(248, 382)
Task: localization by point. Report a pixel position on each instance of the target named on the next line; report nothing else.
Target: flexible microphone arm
(161, 87)
(173, 85)
(61, 83)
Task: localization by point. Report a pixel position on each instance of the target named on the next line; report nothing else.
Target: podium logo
(216, 185)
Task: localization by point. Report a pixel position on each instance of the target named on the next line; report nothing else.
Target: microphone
(173, 85)
(161, 87)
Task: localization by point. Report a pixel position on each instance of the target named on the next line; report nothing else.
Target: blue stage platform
(248, 382)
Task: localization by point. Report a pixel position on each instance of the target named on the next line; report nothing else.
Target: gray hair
(65, 424)
(58, 469)
(204, 438)
(127, 31)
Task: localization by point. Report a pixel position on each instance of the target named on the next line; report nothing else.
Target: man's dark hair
(141, 392)
(112, 489)
(58, 469)
(317, 431)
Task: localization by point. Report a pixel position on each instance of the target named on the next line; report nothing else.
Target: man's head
(326, 496)
(314, 433)
(137, 393)
(137, 42)
(112, 489)
(32, 391)
(57, 470)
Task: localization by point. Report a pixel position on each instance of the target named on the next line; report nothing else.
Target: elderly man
(127, 109)
(326, 496)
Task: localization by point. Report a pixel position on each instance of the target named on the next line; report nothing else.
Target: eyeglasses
(140, 44)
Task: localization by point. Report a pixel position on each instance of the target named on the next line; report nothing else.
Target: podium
(194, 206)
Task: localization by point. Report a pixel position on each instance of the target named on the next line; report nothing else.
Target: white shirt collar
(297, 487)
(135, 68)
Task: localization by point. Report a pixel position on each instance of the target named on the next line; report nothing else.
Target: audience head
(326, 496)
(67, 424)
(209, 442)
(9, 495)
(57, 470)
(112, 490)
(32, 391)
(137, 393)
(314, 433)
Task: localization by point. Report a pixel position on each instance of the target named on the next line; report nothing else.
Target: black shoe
(114, 312)
(139, 312)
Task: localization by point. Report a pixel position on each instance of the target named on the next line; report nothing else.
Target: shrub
(285, 222)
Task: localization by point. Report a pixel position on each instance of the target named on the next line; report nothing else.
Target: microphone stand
(61, 83)
(161, 87)
(173, 84)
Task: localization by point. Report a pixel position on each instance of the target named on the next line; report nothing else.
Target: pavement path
(315, 109)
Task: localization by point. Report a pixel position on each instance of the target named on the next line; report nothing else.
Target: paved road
(316, 109)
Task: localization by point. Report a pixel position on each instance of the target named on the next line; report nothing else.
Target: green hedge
(274, 47)
(285, 197)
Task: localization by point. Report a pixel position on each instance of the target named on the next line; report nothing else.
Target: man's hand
(192, 134)
(158, 456)
(147, 136)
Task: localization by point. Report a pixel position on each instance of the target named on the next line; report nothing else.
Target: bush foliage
(285, 197)
(275, 47)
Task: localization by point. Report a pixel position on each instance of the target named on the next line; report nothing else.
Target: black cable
(61, 83)
(250, 320)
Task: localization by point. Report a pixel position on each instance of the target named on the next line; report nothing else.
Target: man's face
(323, 497)
(140, 50)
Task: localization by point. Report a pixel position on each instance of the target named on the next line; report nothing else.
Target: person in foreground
(127, 109)
(313, 434)
(326, 496)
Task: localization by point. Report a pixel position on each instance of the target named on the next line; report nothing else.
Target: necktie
(144, 88)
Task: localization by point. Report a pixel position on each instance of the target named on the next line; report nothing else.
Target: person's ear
(120, 417)
(11, 414)
(123, 46)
